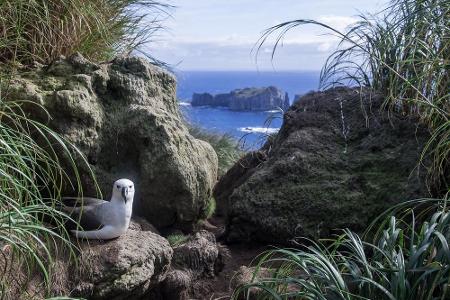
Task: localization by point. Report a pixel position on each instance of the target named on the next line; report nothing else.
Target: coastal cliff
(247, 99)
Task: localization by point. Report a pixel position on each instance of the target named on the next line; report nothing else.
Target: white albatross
(100, 219)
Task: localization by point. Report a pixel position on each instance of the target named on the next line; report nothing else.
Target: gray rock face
(200, 257)
(324, 170)
(297, 98)
(248, 99)
(199, 254)
(124, 118)
(202, 99)
(130, 267)
(123, 268)
(222, 100)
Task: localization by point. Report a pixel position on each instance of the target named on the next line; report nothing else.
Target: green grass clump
(408, 258)
(40, 30)
(208, 211)
(211, 208)
(177, 239)
(402, 52)
(226, 147)
(31, 177)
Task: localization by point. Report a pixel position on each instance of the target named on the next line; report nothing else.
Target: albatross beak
(124, 194)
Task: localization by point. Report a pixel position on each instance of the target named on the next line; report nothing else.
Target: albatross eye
(130, 186)
(118, 186)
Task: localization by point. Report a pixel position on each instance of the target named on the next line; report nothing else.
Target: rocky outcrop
(207, 99)
(324, 170)
(248, 99)
(139, 265)
(124, 268)
(199, 258)
(124, 118)
(130, 267)
(199, 254)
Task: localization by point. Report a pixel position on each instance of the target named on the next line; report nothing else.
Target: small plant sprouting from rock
(211, 208)
(177, 239)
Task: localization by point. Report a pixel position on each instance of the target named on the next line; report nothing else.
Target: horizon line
(246, 70)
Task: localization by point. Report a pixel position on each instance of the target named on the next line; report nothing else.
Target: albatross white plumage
(102, 219)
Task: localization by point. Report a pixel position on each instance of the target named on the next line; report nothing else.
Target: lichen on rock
(123, 268)
(124, 117)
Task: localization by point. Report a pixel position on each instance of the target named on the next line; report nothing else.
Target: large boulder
(130, 267)
(124, 117)
(124, 268)
(195, 262)
(337, 162)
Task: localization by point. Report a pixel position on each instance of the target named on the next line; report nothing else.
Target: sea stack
(247, 99)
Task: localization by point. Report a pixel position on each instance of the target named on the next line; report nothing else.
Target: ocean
(250, 128)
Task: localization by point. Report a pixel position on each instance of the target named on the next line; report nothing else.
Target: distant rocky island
(247, 99)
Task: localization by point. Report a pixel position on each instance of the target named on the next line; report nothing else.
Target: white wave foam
(184, 103)
(267, 130)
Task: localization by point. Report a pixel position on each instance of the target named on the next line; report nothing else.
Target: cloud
(214, 56)
(326, 47)
(310, 33)
(214, 34)
(218, 34)
(339, 23)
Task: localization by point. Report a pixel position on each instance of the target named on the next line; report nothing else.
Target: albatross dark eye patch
(118, 186)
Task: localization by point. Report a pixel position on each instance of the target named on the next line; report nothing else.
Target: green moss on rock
(124, 118)
(311, 179)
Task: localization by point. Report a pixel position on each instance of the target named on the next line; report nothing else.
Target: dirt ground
(218, 288)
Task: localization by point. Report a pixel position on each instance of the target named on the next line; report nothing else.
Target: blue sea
(250, 128)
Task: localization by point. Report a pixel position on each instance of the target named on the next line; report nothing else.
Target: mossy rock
(313, 177)
(124, 118)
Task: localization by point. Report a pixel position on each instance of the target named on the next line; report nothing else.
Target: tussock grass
(403, 52)
(226, 147)
(40, 31)
(404, 260)
(31, 177)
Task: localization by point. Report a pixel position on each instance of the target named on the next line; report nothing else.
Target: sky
(219, 35)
